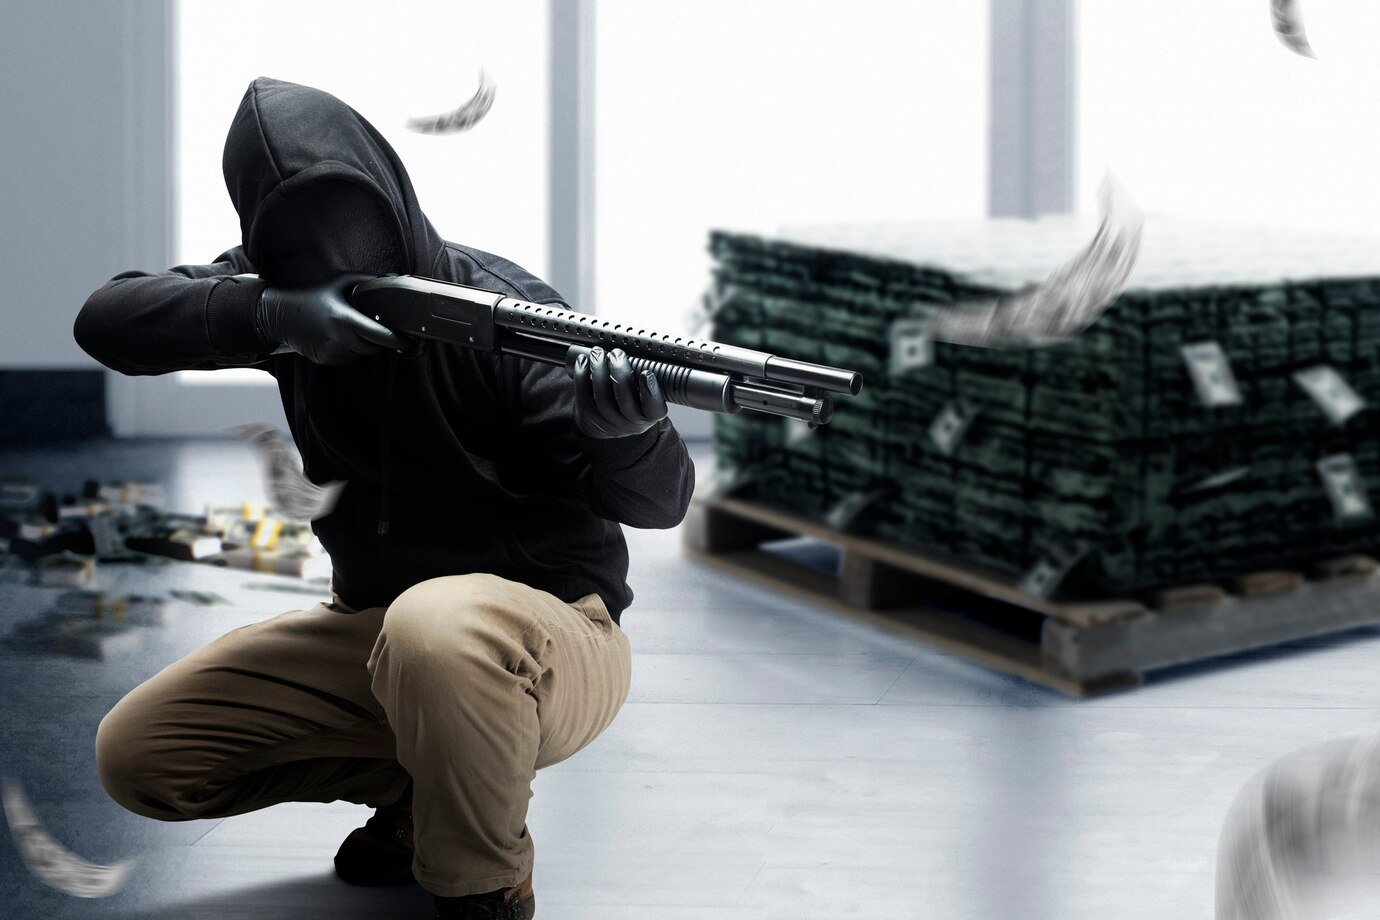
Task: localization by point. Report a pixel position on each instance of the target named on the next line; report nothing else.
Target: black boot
(516, 903)
(380, 852)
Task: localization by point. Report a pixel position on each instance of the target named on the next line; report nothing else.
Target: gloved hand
(319, 323)
(611, 399)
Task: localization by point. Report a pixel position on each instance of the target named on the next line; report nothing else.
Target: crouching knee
(457, 626)
(465, 611)
(134, 773)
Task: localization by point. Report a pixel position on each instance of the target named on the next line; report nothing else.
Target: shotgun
(692, 372)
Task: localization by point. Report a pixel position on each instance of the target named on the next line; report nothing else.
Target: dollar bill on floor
(1066, 303)
(1331, 392)
(126, 496)
(273, 562)
(34, 551)
(107, 542)
(294, 497)
(48, 860)
(176, 543)
(1302, 837)
(1288, 23)
(463, 118)
(128, 609)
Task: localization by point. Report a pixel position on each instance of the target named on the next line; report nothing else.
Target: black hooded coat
(457, 461)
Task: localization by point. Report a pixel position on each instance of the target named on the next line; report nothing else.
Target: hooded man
(479, 566)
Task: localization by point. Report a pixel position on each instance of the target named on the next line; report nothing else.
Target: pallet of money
(1078, 647)
(1221, 416)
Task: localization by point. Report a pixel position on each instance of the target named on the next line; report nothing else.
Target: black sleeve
(192, 317)
(643, 481)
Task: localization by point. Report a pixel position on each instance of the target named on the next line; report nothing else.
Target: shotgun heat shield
(692, 372)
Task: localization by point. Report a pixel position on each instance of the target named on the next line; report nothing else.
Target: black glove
(319, 323)
(611, 399)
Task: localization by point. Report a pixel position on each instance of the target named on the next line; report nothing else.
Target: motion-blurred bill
(463, 118)
(49, 861)
(1066, 303)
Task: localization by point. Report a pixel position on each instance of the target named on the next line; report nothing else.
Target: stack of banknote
(1217, 418)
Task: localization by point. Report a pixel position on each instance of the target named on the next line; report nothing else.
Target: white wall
(84, 104)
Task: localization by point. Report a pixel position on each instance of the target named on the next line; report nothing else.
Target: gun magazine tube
(688, 386)
(817, 410)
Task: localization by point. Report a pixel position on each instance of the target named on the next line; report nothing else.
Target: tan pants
(468, 684)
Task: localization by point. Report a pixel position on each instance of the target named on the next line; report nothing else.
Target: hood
(298, 160)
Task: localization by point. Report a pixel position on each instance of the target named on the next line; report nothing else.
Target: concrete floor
(773, 760)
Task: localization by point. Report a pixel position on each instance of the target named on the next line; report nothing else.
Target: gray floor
(773, 760)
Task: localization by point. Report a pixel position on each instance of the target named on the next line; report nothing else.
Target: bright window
(485, 187)
(752, 116)
(1202, 113)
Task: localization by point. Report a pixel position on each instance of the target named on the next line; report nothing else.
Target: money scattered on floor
(49, 861)
(293, 496)
(1288, 22)
(463, 118)
(1302, 838)
(1066, 303)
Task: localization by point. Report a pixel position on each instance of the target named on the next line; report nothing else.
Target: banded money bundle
(1116, 441)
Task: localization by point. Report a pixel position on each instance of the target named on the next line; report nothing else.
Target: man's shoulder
(475, 267)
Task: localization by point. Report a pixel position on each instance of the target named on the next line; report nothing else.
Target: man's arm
(643, 480)
(192, 317)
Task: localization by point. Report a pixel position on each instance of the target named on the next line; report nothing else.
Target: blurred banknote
(1066, 303)
(1288, 23)
(1302, 839)
(463, 118)
(293, 496)
(49, 861)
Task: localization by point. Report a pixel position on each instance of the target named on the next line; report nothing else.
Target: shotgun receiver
(692, 372)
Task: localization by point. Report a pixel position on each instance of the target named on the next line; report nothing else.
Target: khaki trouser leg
(469, 683)
(485, 681)
(277, 711)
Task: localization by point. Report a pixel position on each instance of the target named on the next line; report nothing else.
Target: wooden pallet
(1078, 648)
